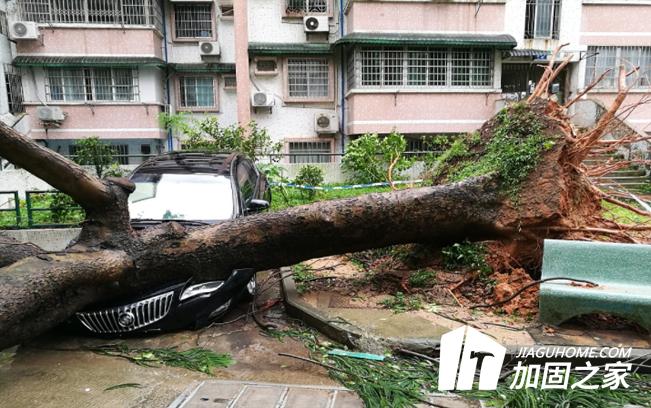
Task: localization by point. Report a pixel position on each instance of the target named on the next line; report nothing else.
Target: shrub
(468, 255)
(253, 141)
(309, 175)
(370, 158)
(91, 151)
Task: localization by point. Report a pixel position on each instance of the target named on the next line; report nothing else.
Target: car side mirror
(256, 205)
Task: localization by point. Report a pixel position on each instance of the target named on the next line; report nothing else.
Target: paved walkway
(237, 394)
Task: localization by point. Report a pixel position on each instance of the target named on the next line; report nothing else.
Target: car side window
(246, 180)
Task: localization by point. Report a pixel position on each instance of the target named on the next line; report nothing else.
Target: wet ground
(55, 371)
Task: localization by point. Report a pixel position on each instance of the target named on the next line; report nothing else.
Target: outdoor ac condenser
(262, 100)
(50, 114)
(209, 48)
(23, 30)
(326, 123)
(316, 24)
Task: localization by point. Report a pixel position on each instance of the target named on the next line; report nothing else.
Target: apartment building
(315, 73)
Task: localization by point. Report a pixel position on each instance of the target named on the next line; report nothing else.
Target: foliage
(512, 152)
(274, 174)
(616, 213)
(309, 175)
(402, 382)
(401, 303)
(421, 278)
(253, 141)
(468, 255)
(369, 157)
(174, 122)
(302, 275)
(62, 207)
(91, 151)
(195, 359)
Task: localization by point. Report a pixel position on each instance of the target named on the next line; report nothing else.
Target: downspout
(168, 97)
(342, 79)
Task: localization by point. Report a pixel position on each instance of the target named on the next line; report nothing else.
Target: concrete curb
(349, 334)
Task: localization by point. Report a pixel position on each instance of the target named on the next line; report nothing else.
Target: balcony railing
(108, 12)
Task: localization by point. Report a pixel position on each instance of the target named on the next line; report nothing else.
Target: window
(227, 11)
(4, 25)
(301, 7)
(145, 149)
(308, 78)
(542, 19)
(121, 153)
(92, 84)
(197, 92)
(600, 59)
(421, 67)
(193, 20)
(310, 152)
(230, 82)
(14, 85)
(266, 66)
(122, 12)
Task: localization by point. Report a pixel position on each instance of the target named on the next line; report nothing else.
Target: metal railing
(9, 215)
(110, 12)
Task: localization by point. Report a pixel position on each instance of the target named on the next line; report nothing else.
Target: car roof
(189, 162)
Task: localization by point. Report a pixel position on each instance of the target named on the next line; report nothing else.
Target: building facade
(314, 73)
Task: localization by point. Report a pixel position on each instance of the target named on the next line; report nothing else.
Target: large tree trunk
(40, 290)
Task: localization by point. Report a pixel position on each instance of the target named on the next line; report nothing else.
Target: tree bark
(36, 294)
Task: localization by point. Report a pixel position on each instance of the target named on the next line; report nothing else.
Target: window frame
(227, 87)
(531, 27)
(89, 81)
(265, 73)
(14, 88)
(440, 71)
(289, 160)
(610, 83)
(215, 83)
(213, 22)
(294, 99)
(304, 12)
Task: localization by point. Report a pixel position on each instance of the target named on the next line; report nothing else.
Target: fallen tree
(543, 193)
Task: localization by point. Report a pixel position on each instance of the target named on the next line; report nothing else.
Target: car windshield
(191, 197)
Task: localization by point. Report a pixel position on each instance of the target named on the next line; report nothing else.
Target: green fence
(40, 209)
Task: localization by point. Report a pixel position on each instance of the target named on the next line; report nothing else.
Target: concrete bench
(621, 271)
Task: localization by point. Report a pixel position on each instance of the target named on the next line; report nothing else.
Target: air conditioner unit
(50, 114)
(326, 123)
(209, 48)
(23, 30)
(262, 99)
(316, 24)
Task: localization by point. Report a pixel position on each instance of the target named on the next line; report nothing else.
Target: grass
(404, 382)
(622, 215)
(421, 278)
(194, 359)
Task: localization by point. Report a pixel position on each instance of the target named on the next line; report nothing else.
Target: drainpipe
(240, 11)
(342, 79)
(170, 136)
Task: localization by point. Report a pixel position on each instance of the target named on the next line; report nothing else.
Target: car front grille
(128, 318)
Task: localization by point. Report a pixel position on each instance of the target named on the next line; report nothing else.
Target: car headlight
(201, 289)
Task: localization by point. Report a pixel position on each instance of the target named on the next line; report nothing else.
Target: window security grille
(120, 12)
(14, 84)
(422, 67)
(197, 92)
(4, 25)
(308, 77)
(310, 152)
(120, 152)
(300, 7)
(266, 65)
(193, 20)
(601, 59)
(542, 19)
(92, 84)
